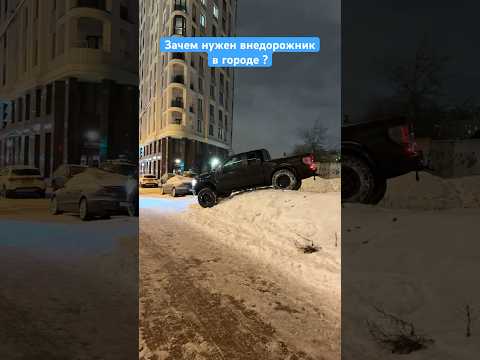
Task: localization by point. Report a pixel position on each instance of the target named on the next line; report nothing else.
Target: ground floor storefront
(169, 155)
(70, 121)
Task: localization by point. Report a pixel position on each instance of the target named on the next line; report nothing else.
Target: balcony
(178, 103)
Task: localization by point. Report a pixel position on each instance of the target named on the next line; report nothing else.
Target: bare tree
(312, 140)
(418, 83)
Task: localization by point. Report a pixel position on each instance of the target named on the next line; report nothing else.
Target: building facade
(186, 108)
(68, 81)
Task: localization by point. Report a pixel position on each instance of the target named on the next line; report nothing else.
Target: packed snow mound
(432, 193)
(431, 258)
(293, 232)
(321, 185)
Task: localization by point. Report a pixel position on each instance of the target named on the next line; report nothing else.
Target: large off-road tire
(298, 185)
(284, 179)
(54, 208)
(207, 198)
(84, 212)
(358, 180)
(379, 191)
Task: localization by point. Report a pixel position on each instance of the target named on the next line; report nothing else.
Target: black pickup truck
(373, 152)
(251, 170)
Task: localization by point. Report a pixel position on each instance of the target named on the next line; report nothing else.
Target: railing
(177, 103)
(179, 79)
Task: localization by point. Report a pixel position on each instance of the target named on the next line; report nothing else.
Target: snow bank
(431, 258)
(432, 192)
(274, 226)
(321, 185)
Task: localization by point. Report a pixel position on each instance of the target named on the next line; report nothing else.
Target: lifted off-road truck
(253, 169)
(374, 152)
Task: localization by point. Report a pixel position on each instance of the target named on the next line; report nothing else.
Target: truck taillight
(403, 135)
(310, 162)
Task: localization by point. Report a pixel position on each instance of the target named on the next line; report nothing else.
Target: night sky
(381, 33)
(271, 105)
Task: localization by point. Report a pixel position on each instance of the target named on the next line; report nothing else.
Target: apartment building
(186, 108)
(68, 81)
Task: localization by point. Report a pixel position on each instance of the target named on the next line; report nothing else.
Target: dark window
(38, 102)
(124, 12)
(212, 114)
(194, 13)
(36, 157)
(54, 42)
(214, 31)
(20, 109)
(179, 25)
(13, 111)
(180, 5)
(210, 130)
(26, 150)
(27, 107)
(49, 99)
(48, 154)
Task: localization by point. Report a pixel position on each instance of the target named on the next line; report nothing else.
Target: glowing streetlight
(214, 162)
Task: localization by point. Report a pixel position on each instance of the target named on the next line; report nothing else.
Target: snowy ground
(240, 269)
(420, 265)
(320, 185)
(59, 278)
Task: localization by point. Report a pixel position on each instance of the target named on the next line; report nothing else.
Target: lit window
(215, 11)
(203, 21)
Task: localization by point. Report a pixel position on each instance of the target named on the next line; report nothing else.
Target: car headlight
(194, 182)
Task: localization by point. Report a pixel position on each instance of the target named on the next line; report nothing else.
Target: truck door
(255, 171)
(232, 176)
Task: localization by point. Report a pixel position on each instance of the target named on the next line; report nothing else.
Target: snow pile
(321, 185)
(432, 192)
(295, 233)
(430, 258)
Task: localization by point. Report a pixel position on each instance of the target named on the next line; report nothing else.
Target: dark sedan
(93, 193)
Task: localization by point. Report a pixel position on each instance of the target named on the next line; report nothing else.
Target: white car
(21, 179)
(148, 181)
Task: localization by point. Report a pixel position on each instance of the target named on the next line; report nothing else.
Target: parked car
(165, 177)
(96, 192)
(253, 169)
(148, 181)
(64, 173)
(374, 152)
(179, 185)
(21, 179)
